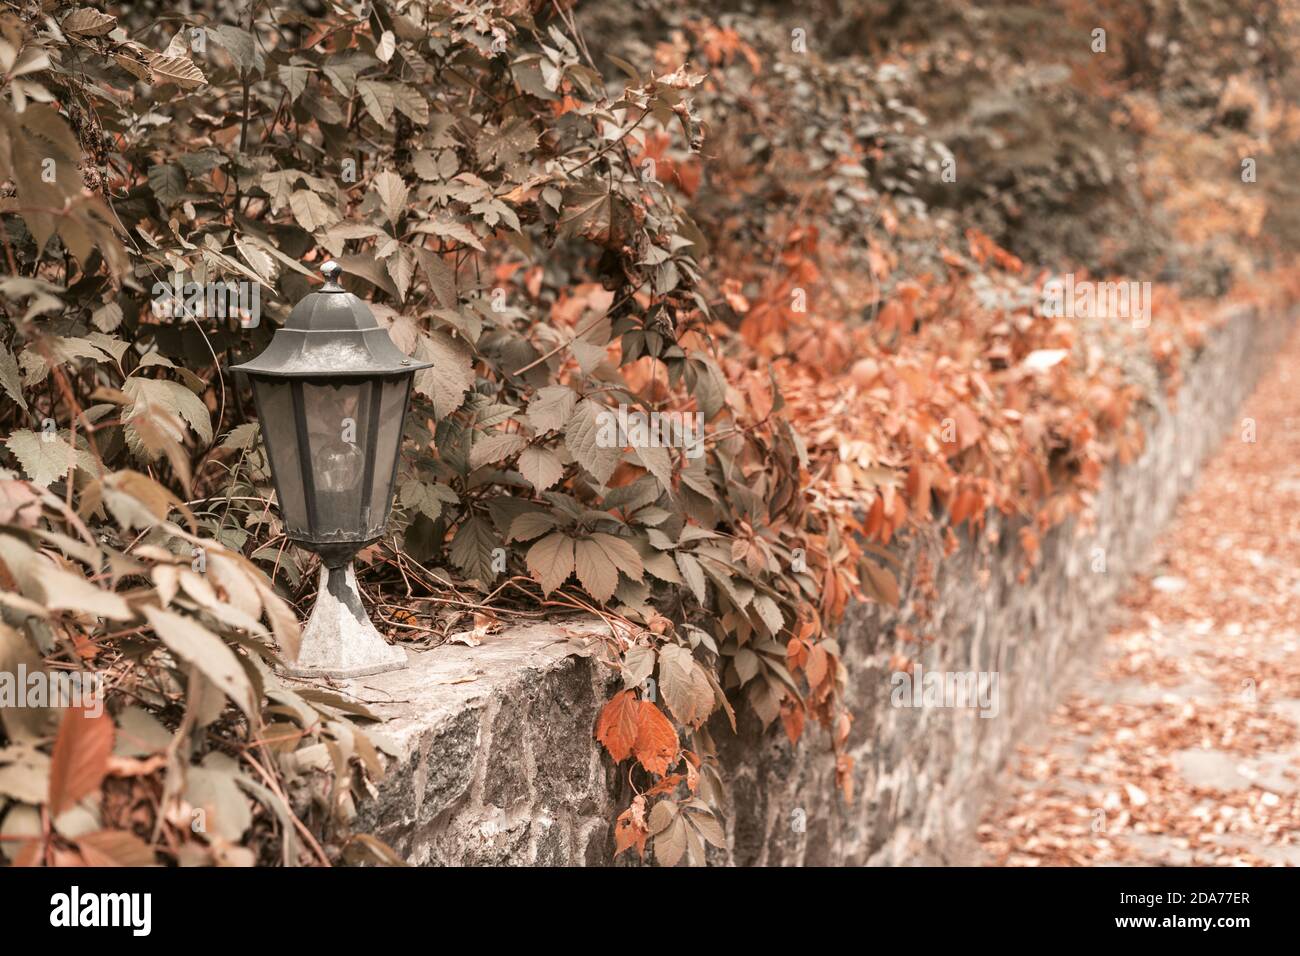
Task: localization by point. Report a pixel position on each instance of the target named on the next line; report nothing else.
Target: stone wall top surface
(440, 683)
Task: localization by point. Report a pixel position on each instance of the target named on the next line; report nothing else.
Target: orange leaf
(792, 718)
(80, 759)
(760, 398)
(969, 428)
(656, 741)
(665, 786)
(817, 665)
(796, 652)
(965, 506)
(880, 583)
(115, 848)
(630, 829)
(29, 853)
(1029, 542)
(616, 727)
(844, 776)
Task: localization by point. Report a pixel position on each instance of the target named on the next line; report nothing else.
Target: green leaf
(9, 377)
(107, 317)
(294, 78)
(530, 524)
(472, 549)
(137, 501)
(392, 192)
(506, 509)
(709, 386)
(195, 644)
(552, 408)
(540, 466)
(694, 576)
(311, 212)
(707, 826)
(599, 558)
(412, 103)
(139, 733)
(551, 560)
(44, 582)
(507, 145)
(241, 45)
(215, 787)
(685, 686)
(442, 278)
(670, 843)
(584, 437)
(746, 663)
(445, 226)
(495, 447)
(588, 211)
(450, 377)
(658, 462)
(88, 22)
(258, 258)
(724, 576)
(770, 613)
(24, 774)
(662, 817)
(45, 457)
(68, 349)
(401, 269)
(241, 437)
(179, 70)
(379, 99)
(638, 664)
(167, 182)
(660, 565)
(278, 185)
(427, 498)
(172, 396)
(65, 591)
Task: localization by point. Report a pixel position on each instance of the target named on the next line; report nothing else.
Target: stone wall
(494, 761)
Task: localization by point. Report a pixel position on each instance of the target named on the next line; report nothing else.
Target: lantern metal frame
(332, 340)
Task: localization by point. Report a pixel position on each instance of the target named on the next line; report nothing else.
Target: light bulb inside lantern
(338, 466)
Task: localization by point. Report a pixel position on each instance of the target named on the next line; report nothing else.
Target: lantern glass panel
(275, 411)
(393, 392)
(341, 418)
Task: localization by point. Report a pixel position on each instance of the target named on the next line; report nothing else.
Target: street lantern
(331, 392)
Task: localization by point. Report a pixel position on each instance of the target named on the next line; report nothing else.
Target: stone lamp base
(339, 640)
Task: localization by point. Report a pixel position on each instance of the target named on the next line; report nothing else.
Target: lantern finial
(331, 270)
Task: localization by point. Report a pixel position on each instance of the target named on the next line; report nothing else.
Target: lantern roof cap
(331, 333)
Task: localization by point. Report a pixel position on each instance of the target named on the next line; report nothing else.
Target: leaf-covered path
(1181, 746)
